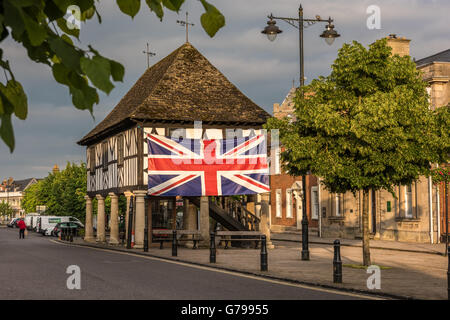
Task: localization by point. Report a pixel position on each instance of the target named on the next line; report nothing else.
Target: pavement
(404, 274)
(295, 236)
(36, 268)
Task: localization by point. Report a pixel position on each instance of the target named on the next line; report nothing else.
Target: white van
(46, 224)
(29, 218)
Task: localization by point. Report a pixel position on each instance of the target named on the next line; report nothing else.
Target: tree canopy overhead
(40, 27)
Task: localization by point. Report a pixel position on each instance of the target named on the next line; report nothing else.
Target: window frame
(289, 211)
(315, 204)
(278, 204)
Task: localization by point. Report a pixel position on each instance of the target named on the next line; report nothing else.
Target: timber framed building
(175, 93)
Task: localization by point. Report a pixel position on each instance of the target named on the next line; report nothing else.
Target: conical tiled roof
(182, 87)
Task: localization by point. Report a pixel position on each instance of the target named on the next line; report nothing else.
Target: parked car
(75, 225)
(13, 223)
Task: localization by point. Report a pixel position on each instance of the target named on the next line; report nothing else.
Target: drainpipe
(430, 199)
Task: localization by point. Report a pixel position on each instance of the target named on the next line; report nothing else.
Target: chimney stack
(399, 45)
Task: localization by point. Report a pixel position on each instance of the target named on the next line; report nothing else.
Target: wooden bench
(243, 236)
(167, 235)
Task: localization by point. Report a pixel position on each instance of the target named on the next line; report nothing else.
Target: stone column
(128, 195)
(189, 216)
(264, 224)
(140, 219)
(204, 221)
(114, 219)
(101, 234)
(88, 227)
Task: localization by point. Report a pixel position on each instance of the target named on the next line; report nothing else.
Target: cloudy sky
(262, 70)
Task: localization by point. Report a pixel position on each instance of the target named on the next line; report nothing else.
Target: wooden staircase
(230, 213)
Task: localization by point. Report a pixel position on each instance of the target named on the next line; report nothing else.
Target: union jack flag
(198, 167)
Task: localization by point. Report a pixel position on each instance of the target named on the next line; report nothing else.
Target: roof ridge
(433, 55)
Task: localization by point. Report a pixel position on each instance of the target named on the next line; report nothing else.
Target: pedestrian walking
(22, 226)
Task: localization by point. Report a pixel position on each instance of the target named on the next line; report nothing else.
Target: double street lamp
(329, 34)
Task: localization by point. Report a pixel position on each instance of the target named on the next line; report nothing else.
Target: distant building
(11, 191)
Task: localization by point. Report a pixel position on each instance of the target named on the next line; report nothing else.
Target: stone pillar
(264, 224)
(88, 227)
(101, 234)
(140, 219)
(189, 216)
(114, 219)
(204, 221)
(128, 195)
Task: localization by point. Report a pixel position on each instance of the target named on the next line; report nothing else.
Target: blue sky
(261, 69)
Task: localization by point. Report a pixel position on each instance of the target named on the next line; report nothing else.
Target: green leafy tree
(40, 27)
(30, 198)
(367, 126)
(61, 192)
(5, 209)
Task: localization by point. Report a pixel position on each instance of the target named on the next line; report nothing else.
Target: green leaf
(173, 5)
(13, 19)
(70, 57)
(61, 73)
(85, 97)
(2, 109)
(156, 7)
(129, 7)
(98, 70)
(17, 98)
(7, 132)
(36, 32)
(212, 20)
(117, 70)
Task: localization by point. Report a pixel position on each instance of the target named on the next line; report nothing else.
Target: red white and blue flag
(196, 167)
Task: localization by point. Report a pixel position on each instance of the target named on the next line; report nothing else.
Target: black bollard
(448, 273)
(174, 243)
(146, 239)
(71, 234)
(337, 263)
(212, 248)
(63, 231)
(263, 254)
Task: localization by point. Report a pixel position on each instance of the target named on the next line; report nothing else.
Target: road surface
(35, 268)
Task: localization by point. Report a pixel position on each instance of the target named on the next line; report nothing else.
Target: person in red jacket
(22, 226)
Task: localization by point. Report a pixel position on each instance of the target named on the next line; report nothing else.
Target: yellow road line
(234, 273)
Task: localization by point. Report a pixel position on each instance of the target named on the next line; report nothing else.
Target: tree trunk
(365, 223)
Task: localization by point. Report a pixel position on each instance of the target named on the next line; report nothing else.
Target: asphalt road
(35, 268)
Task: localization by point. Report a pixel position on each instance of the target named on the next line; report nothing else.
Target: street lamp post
(329, 34)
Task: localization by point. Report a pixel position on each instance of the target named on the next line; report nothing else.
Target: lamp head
(271, 30)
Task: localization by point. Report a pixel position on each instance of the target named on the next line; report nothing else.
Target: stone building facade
(414, 214)
(11, 192)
